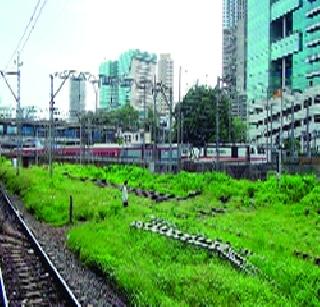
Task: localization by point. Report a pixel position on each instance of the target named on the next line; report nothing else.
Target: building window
(317, 118)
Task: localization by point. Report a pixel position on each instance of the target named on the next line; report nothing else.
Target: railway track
(27, 276)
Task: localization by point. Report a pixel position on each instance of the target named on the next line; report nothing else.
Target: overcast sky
(79, 34)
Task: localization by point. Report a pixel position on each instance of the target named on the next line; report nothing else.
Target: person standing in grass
(124, 194)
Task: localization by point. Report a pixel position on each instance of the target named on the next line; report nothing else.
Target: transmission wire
(36, 20)
(24, 33)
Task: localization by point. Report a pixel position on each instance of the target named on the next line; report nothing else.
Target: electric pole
(53, 95)
(50, 124)
(144, 122)
(292, 139)
(218, 98)
(18, 115)
(18, 108)
(170, 131)
(154, 118)
(309, 102)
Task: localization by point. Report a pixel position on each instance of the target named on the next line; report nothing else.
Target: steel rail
(3, 296)
(62, 285)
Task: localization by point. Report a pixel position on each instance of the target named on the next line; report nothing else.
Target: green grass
(271, 221)
(138, 177)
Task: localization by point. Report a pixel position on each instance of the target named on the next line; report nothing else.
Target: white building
(143, 69)
(166, 77)
(300, 118)
(77, 95)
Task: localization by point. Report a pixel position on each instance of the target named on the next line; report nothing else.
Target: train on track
(162, 152)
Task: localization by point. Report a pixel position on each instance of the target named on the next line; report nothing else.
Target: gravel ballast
(88, 287)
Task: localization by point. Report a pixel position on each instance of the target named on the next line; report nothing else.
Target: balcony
(254, 119)
(286, 46)
(283, 7)
(298, 130)
(315, 109)
(315, 11)
(299, 115)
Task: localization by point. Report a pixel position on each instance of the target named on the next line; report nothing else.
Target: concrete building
(77, 95)
(121, 81)
(283, 73)
(166, 77)
(7, 112)
(234, 49)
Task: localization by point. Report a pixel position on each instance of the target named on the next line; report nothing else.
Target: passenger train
(226, 153)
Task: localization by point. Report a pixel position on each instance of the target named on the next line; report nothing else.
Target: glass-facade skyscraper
(119, 80)
(109, 90)
(234, 54)
(283, 66)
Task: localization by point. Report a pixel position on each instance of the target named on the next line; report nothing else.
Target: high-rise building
(234, 54)
(166, 77)
(109, 89)
(283, 71)
(139, 67)
(77, 95)
(121, 80)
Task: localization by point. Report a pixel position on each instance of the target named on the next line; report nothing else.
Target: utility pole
(144, 122)
(271, 133)
(292, 131)
(280, 136)
(18, 117)
(169, 104)
(180, 136)
(53, 95)
(154, 118)
(230, 120)
(80, 136)
(37, 138)
(267, 124)
(170, 131)
(18, 108)
(218, 97)
(309, 101)
(283, 84)
(50, 124)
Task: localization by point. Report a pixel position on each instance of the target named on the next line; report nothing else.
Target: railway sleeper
(37, 302)
(27, 280)
(5, 239)
(33, 294)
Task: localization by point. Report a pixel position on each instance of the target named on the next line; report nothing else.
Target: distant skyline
(80, 34)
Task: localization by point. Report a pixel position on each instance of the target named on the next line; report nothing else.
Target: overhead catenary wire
(33, 26)
(22, 41)
(24, 33)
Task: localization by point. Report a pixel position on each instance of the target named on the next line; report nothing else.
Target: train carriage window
(234, 152)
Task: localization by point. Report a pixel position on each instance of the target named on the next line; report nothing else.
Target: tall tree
(199, 109)
(239, 130)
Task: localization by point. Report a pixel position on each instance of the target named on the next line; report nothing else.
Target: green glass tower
(109, 90)
(283, 52)
(282, 30)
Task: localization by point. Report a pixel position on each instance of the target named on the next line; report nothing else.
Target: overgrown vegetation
(278, 224)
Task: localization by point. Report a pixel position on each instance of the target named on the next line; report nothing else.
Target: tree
(239, 130)
(126, 117)
(199, 109)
